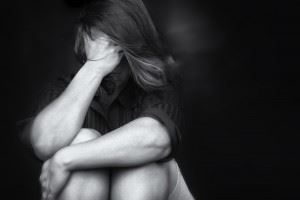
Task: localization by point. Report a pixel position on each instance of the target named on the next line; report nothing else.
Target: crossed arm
(125, 146)
(140, 141)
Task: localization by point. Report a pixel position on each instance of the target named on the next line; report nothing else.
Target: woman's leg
(180, 191)
(153, 181)
(87, 185)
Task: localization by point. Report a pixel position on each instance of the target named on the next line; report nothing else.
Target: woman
(111, 130)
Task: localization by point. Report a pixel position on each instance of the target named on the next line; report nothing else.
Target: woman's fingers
(42, 177)
(45, 190)
(100, 48)
(44, 180)
(44, 172)
(108, 53)
(44, 195)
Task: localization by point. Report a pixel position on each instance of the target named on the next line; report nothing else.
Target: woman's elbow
(162, 144)
(42, 150)
(158, 140)
(41, 144)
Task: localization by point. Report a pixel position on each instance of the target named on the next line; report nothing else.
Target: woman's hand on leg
(59, 183)
(53, 178)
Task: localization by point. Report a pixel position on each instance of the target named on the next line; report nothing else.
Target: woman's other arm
(140, 141)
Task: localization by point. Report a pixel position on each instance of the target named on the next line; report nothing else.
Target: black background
(240, 64)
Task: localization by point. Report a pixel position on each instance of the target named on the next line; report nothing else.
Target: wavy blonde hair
(128, 24)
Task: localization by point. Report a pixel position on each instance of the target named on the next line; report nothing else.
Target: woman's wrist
(95, 68)
(64, 157)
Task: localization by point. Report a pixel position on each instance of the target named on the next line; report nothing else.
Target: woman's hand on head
(102, 54)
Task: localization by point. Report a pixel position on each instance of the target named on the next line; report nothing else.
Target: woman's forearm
(57, 124)
(141, 141)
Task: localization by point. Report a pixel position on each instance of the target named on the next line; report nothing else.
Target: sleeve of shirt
(166, 108)
(44, 97)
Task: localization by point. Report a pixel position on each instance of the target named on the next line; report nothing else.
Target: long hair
(128, 24)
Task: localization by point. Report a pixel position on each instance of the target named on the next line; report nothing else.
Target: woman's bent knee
(86, 134)
(148, 182)
(90, 184)
(87, 185)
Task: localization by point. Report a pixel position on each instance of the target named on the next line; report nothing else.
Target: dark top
(131, 103)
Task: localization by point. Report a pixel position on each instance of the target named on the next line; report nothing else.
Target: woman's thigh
(148, 182)
(89, 184)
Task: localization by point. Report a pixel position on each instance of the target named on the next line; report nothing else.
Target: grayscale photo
(149, 100)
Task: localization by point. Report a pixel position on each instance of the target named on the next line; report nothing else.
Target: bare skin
(74, 156)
